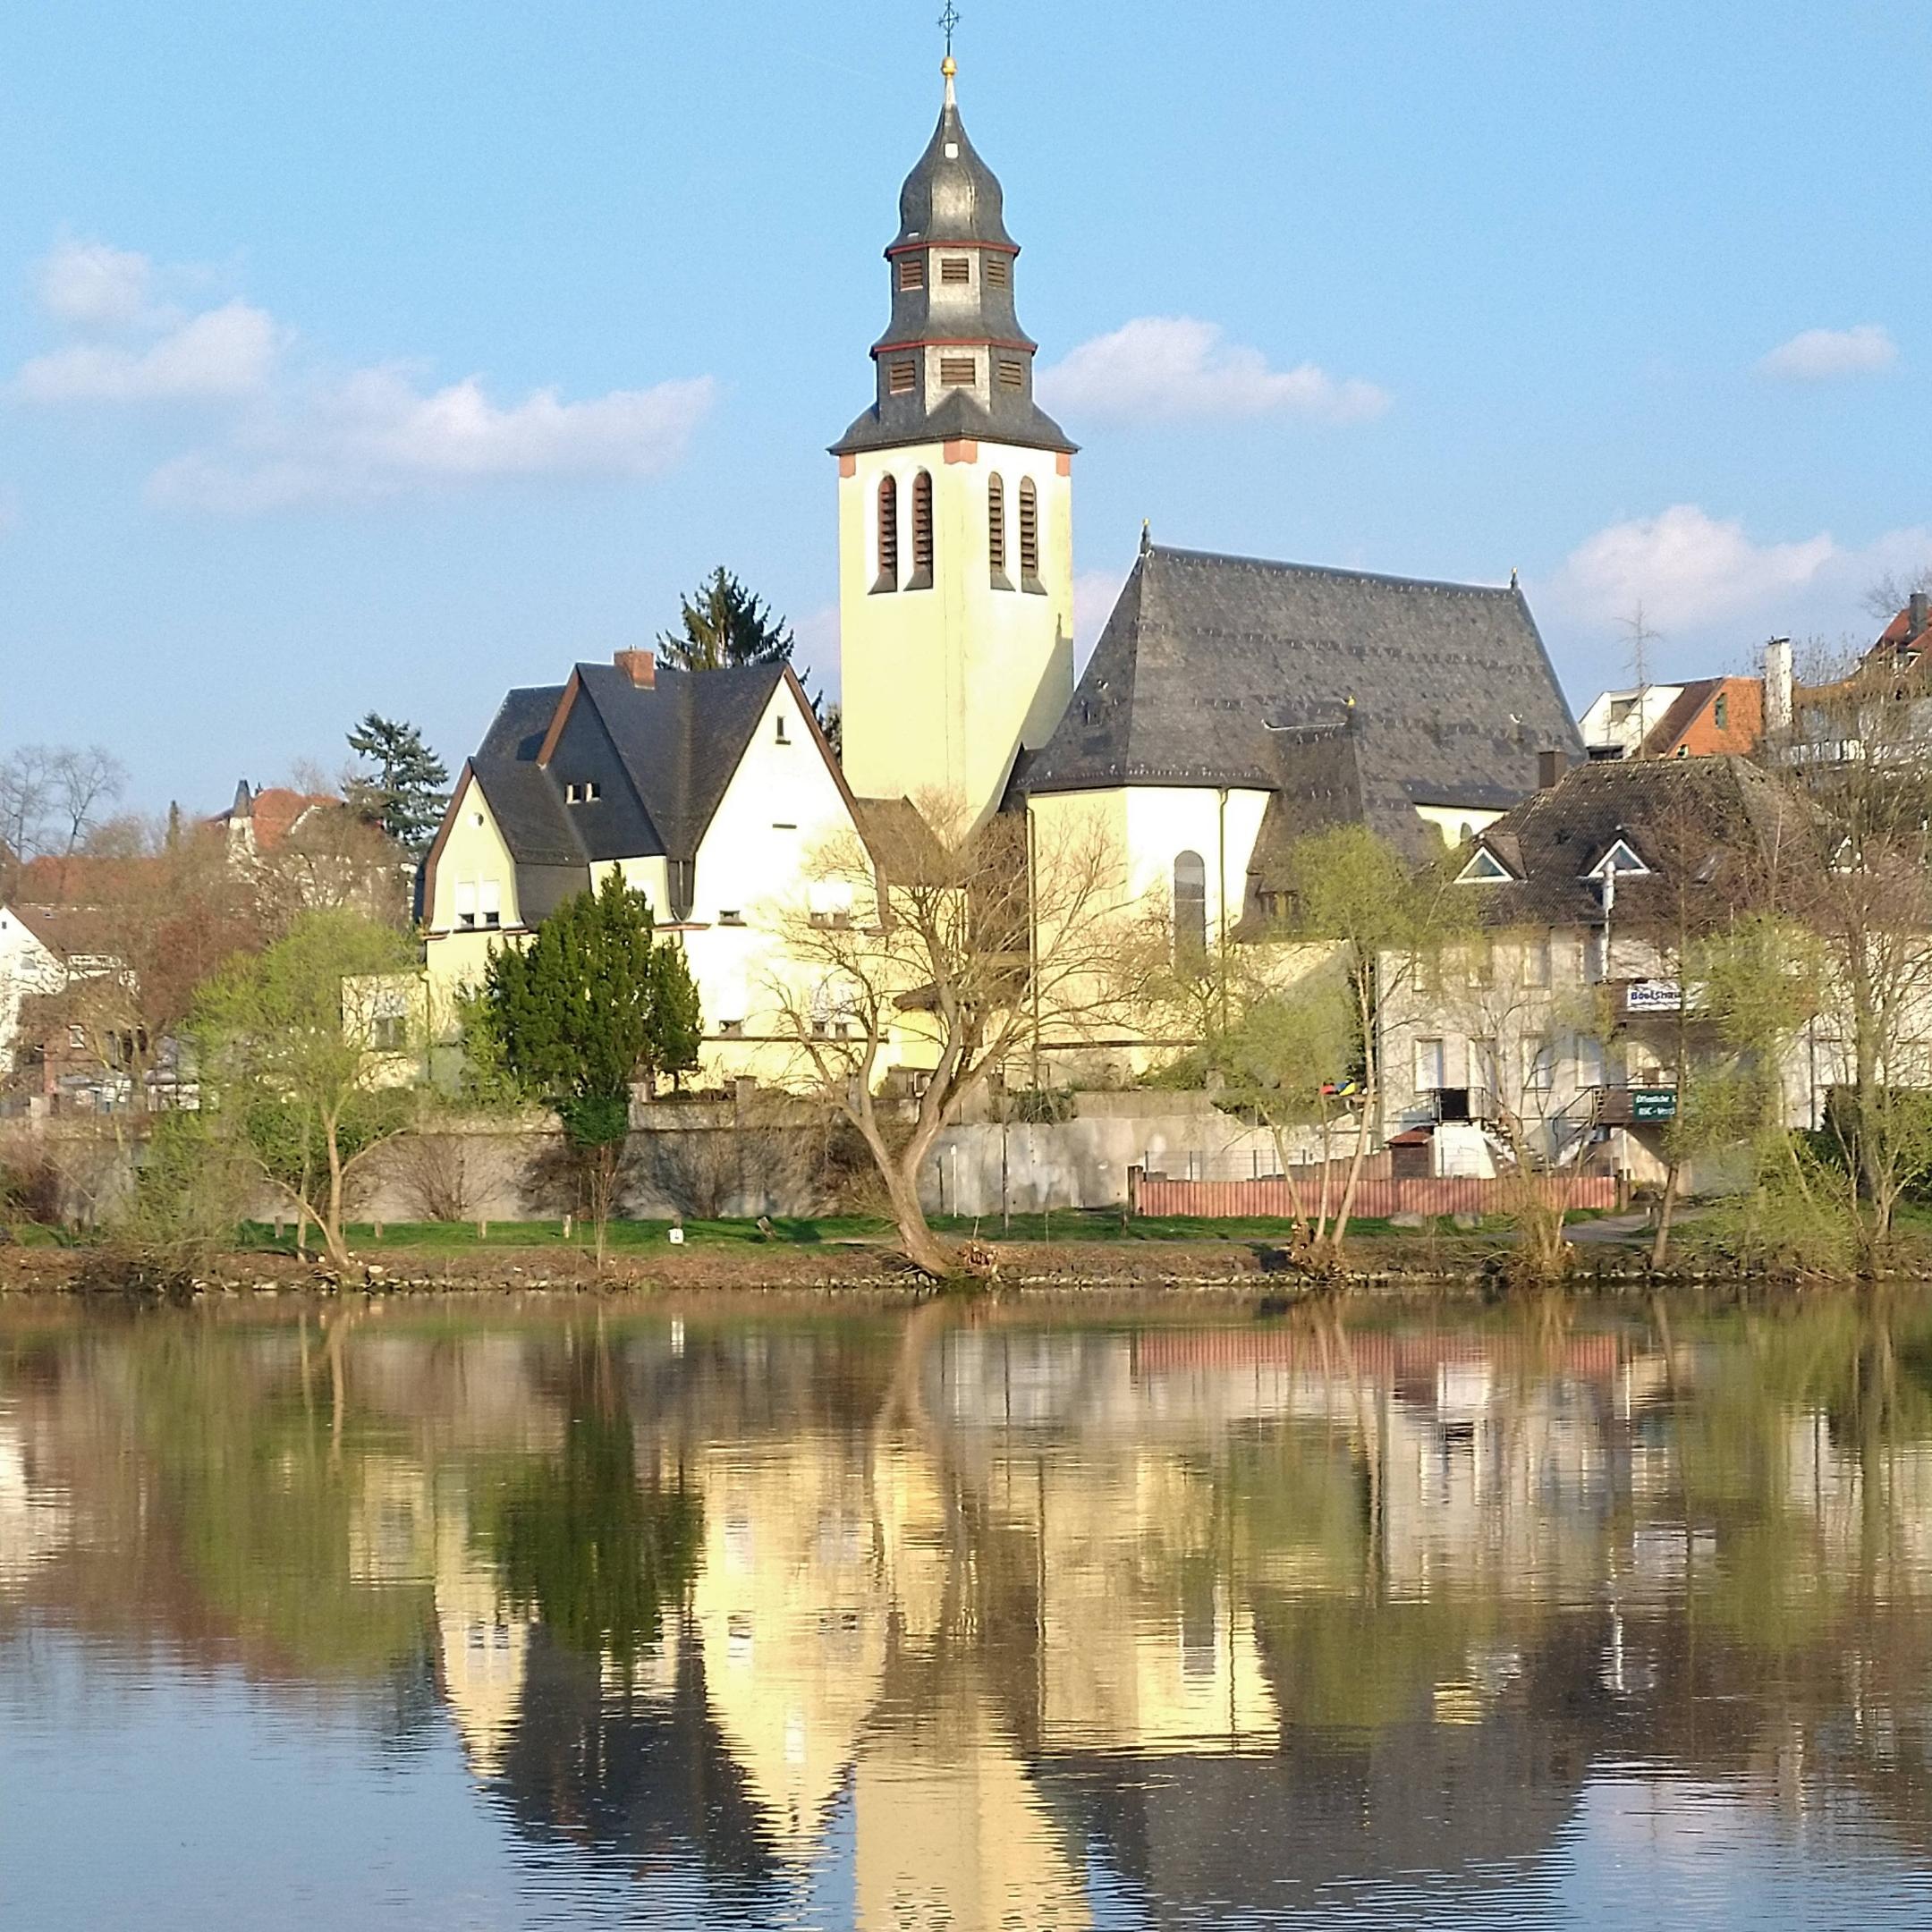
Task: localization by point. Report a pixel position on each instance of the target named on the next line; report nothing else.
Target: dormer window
(955, 271)
(1484, 869)
(1620, 858)
(588, 792)
(911, 271)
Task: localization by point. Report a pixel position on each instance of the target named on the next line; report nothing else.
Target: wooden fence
(1377, 1199)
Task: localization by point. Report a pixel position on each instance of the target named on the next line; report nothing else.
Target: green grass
(1076, 1226)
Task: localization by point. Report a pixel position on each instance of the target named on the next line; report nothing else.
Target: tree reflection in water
(983, 1614)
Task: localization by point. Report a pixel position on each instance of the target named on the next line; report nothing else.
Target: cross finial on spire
(948, 21)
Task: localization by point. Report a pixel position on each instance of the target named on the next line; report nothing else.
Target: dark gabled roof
(676, 741)
(69, 933)
(1723, 822)
(1214, 671)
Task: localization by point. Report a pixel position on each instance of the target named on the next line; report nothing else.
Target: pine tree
(726, 625)
(408, 791)
(593, 1003)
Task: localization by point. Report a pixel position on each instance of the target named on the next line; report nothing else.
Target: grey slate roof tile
(1234, 671)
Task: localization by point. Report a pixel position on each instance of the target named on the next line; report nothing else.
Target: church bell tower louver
(955, 509)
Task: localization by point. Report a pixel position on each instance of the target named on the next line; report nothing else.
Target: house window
(476, 818)
(466, 903)
(1011, 373)
(1539, 1065)
(1721, 712)
(889, 535)
(489, 901)
(1535, 962)
(1431, 1065)
(911, 271)
(779, 736)
(1485, 1068)
(959, 371)
(1029, 534)
(955, 270)
(732, 918)
(389, 1033)
(1589, 1061)
(902, 378)
(1189, 907)
(998, 271)
(922, 532)
(995, 511)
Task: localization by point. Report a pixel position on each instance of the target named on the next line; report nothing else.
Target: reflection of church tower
(955, 509)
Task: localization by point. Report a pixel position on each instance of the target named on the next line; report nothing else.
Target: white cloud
(282, 433)
(1171, 369)
(221, 353)
(87, 284)
(376, 435)
(1822, 355)
(1685, 567)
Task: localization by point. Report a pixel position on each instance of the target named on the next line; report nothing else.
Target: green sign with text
(1653, 1102)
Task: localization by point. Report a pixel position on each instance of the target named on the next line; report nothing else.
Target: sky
(372, 355)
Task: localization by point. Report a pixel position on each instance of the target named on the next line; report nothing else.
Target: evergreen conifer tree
(408, 791)
(724, 623)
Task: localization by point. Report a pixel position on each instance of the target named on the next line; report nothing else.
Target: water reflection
(993, 1620)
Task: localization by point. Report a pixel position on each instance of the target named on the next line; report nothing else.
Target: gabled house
(1561, 1027)
(706, 790)
(43, 951)
(1708, 718)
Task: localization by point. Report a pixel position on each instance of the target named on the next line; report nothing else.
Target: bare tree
(1889, 593)
(941, 952)
(52, 799)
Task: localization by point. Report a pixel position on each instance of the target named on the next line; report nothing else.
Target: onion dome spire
(953, 361)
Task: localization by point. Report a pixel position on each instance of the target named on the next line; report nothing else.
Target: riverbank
(1465, 1266)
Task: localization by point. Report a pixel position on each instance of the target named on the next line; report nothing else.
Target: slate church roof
(1348, 695)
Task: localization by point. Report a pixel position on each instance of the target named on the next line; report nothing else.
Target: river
(444, 1616)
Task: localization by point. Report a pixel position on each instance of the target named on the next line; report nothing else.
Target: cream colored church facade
(1230, 705)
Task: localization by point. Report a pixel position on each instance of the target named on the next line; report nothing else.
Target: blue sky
(374, 355)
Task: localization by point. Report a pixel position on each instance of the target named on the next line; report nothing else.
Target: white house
(709, 791)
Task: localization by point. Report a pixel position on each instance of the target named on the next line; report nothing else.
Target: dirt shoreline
(1245, 1271)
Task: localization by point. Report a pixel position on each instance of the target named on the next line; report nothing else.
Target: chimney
(641, 666)
(1777, 686)
(1915, 615)
(1549, 770)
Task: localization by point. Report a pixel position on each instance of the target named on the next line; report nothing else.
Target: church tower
(955, 509)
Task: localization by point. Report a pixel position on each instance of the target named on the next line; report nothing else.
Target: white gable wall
(782, 806)
(26, 968)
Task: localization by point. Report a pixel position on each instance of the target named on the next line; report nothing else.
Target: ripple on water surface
(451, 1621)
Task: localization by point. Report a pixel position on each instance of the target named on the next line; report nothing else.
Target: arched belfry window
(1029, 535)
(889, 535)
(1189, 907)
(995, 513)
(922, 533)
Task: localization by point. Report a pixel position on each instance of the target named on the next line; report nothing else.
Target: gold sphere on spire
(947, 68)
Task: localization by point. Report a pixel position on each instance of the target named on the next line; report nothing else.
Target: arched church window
(1029, 534)
(889, 535)
(1189, 907)
(995, 513)
(922, 533)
